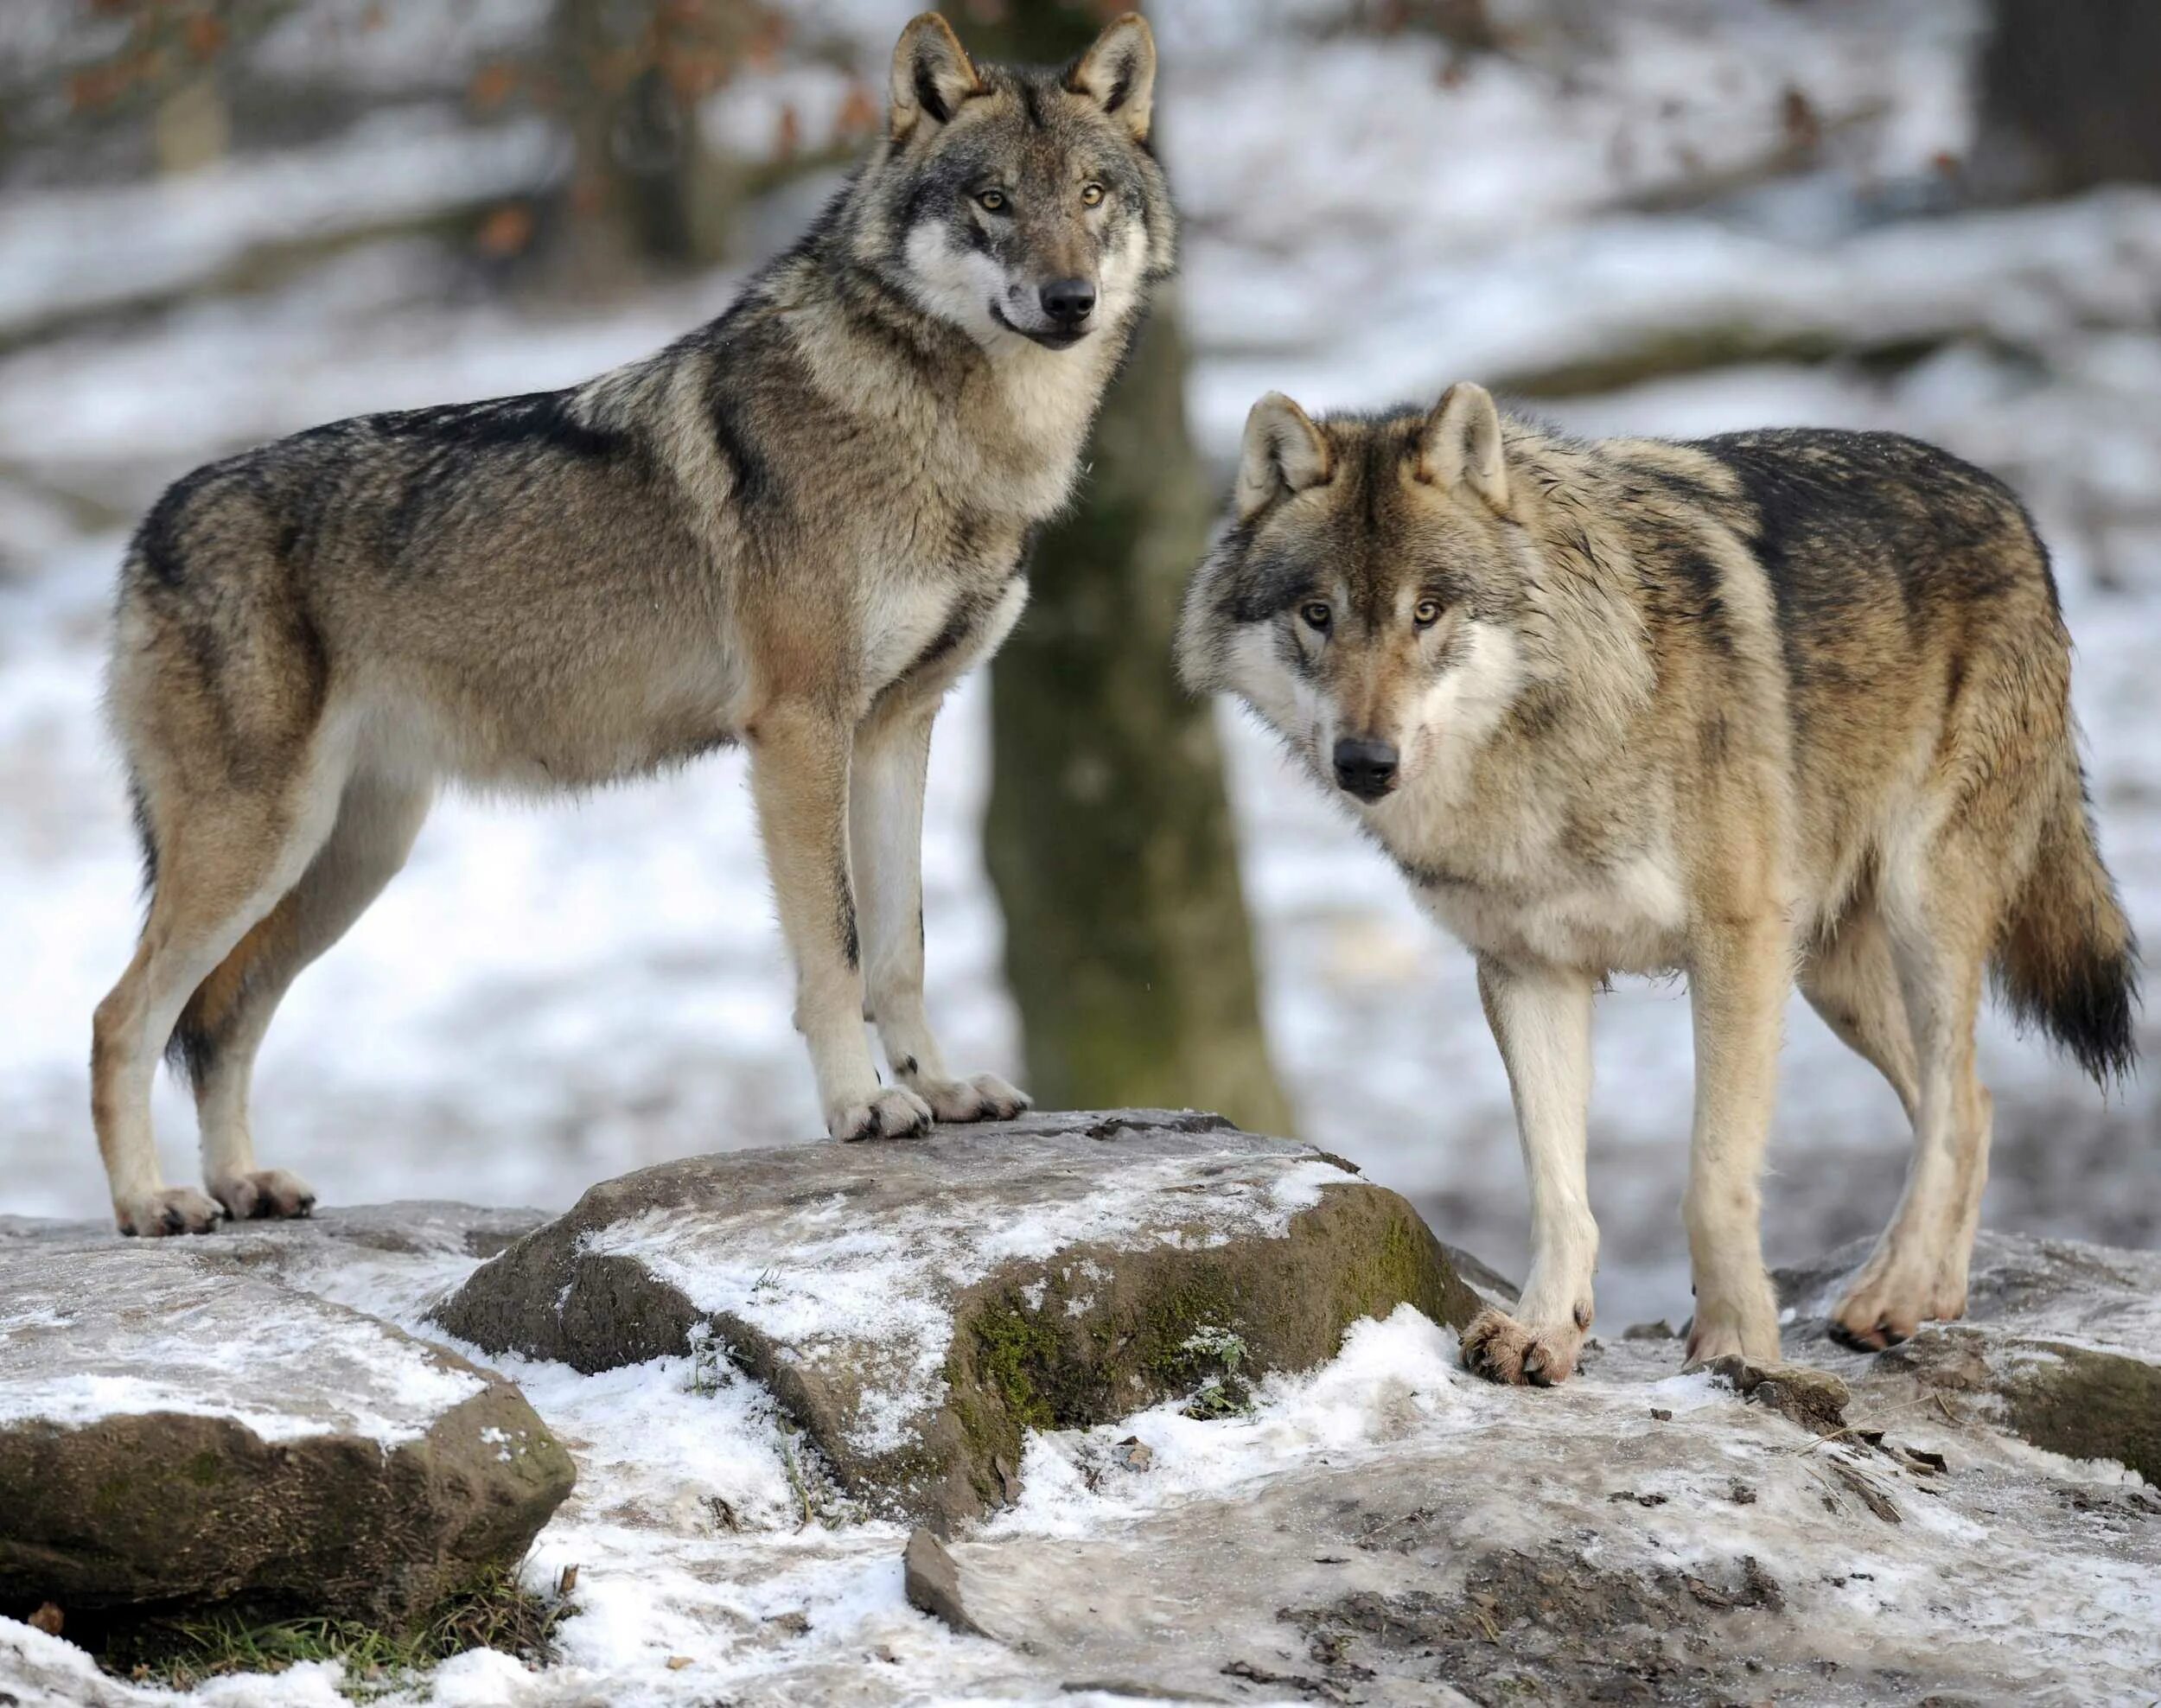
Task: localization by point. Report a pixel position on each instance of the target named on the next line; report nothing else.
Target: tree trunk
(2068, 92)
(645, 194)
(1109, 834)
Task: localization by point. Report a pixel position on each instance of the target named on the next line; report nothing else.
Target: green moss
(204, 1470)
(183, 1651)
(1016, 1352)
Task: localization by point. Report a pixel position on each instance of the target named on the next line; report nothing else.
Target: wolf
(793, 528)
(1774, 706)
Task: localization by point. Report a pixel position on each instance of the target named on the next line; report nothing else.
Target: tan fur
(1767, 705)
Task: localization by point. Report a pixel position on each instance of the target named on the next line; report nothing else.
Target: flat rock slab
(2061, 1344)
(918, 1306)
(175, 1429)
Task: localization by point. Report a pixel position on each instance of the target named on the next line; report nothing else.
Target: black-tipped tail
(2068, 961)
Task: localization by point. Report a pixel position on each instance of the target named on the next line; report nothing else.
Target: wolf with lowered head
(793, 528)
(1775, 705)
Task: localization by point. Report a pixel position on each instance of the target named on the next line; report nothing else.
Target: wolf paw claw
(978, 1097)
(178, 1209)
(275, 1192)
(1501, 1349)
(892, 1112)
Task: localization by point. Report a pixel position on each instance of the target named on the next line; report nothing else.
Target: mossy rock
(918, 1307)
(2060, 1344)
(175, 1432)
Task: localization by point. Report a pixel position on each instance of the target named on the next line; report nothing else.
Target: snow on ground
(548, 997)
(712, 1562)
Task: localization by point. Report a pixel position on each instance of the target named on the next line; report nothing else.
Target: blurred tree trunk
(1109, 834)
(2073, 88)
(644, 192)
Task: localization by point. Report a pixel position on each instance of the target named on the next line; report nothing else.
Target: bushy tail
(2068, 961)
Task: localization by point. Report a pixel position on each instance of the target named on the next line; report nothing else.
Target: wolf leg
(1540, 1017)
(1918, 1270)
(224, 858)
(1852, 983)
(885, 819)
(1737, 981)
(223, 1027)
(800, 761)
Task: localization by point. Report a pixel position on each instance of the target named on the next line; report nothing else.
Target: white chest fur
(1630, 916)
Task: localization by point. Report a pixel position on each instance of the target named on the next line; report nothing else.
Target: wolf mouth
(1049, 339)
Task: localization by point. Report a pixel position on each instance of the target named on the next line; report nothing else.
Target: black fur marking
(927, 95)
(959, 625)
(146, 838)
(1270, 586)
(1031, 102)
(754, 485)
(1121, 89)
(905, 1067)
(536, 419)
(850, 944)
(157, 541)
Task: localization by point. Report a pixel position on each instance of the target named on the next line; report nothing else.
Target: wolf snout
(1366, 768)
(1067, 301)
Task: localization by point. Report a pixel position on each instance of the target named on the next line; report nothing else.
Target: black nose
(1068, 301)
(1367, 768)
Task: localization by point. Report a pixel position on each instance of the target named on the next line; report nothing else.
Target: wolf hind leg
(223, 1027)
(885, 819)
(1933, 943)
(226, 854)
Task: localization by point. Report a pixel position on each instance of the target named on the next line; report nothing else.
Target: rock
(1815, 1399)
(932, 1583)
(2061, 1344)
(403, 1227)
(917, 1307)
(174, 1429)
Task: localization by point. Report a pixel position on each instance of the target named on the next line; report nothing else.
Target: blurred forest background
(221, 221)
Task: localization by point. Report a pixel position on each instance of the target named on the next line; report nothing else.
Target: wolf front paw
(177, 1210)
(1747, 1330)
(976, 1097)
(1501, 1349)
(891, 1112)
(273, 1193)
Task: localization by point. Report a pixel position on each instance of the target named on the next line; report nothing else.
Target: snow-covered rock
(1381, 1528)
(175, 1426)
(916, 1307)
(2061, 1344)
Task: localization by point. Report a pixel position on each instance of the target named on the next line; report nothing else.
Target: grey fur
(794, 527)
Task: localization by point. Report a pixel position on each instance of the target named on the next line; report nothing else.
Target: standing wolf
(793, 528)
(1769, 704)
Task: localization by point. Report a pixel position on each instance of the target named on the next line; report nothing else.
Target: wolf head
(1015, 203)
(1373, 599)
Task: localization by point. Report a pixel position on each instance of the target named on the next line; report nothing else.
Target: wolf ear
(1461, 445)
(932, 74)
(1119, 73)
(1283, 451)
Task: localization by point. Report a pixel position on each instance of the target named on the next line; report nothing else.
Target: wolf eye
(1315, 615)
(1426, 613)
(1091, 194)
(991, 201)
